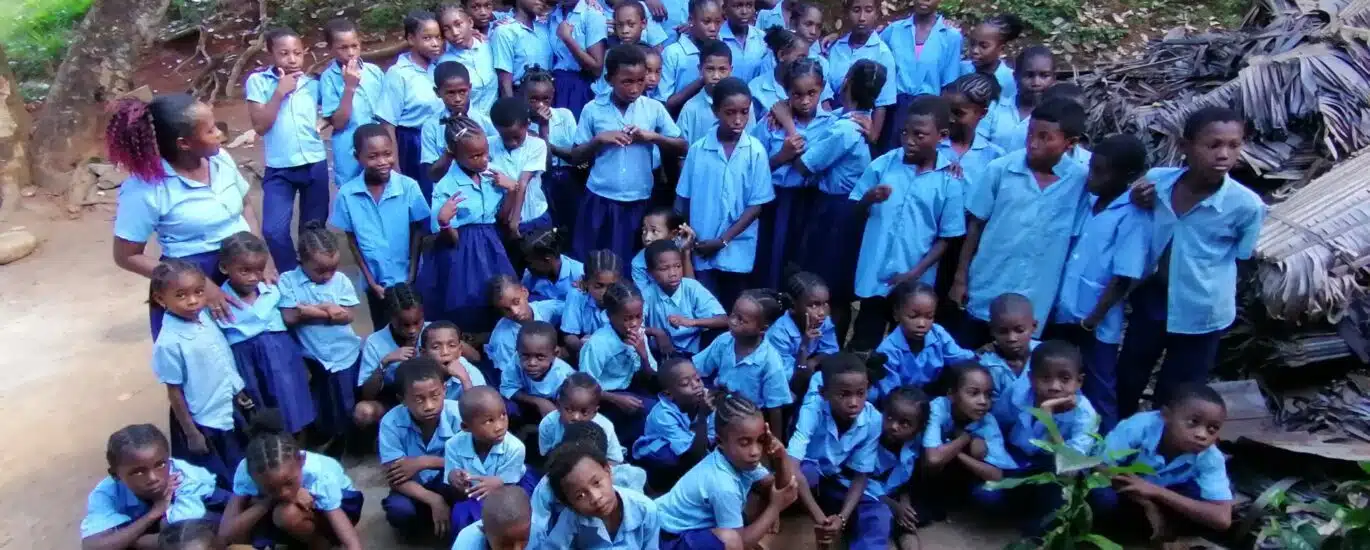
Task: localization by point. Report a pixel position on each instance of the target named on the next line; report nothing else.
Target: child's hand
(793, 146)
(977, 449)
(564, 31)
(878, 194)
(378, 290)
(957, 292)
(163, 502)
(197, 443)
(643, 135)
(813, 328)
(709, 247)
(771, 445)
(286, 85)
(955, 170)
(828, 531)
(401, 470)
(441, 514)
(1133, 486)
(399, 354)
(1090, 322)
(688, 238)
(863, 124)
(352, 73)
(337, 314)
(904, 516)
(626, 402)
(614, 137)
(504, 182)
(680, 321)
(542, 115)
(448, 210)
(638, 341)
(484, 486)
(304, 500)
(656, 9)
(826, 42)
(1143, 194)
(460, 481)
(544, 406)
(1059, 404)
(782, 495)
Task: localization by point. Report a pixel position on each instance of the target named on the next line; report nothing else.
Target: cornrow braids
(600, 261)
(1010, 26)
(619, 295)
(238, 245)
(414, 20)
(979, 88)
(140, 135)
(564, 458)
(801, 67)
(270, 448)
(189, 534)
(402, 297)
(864, 81)
(496, 286)
(730, 408)
(536, 73)
(315, 239)
(911, 395)
(542, 243)
(579, 381)
(459, 128)
(800, 283)
(133, 436)
(773, 304)
(167, 273)
(907, 290)
(779, 39)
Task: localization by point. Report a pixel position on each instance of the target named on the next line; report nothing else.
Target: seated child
(616, 356)
(801, 348)
(384, 350)
(585, 302)
(578, 400)
(678, 427)
(412, 440)
(505, 523)
(145, 490)
(663, 223)
(679, 309)
(918, 348)
(510, 299)
(962, 444)
(533, 382)
(550, 274)
(598, 514)
(584, 434)
(482, 457)
(1008, 356)
(442, 342)
(742, 361)
(905, 418)
(190, 534)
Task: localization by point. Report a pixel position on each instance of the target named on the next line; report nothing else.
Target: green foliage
(1057, 21)
(370, 16)
(1341, 523)
(36, 34)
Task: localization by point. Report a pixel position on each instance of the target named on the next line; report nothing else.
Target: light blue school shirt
(412, 96)
(551, 431)
(545, 505)
(767, 91)
(369, 105)
(322, 476)
(505, 459)
(1142, 432)
(908, 368)
(928, 71)
(772, 17)
(690, 300)
(382, 228)
(530, 156)
(517, 46)
(400, 437)
(293, 139)
(375, 347)
(842, 55)
(611, 361)
(747, 51)
(641, 277)
(974, 161)
(502, 347)
(1003, 378)
(816, 439)
(640, 528)
(652, 36)
(588, 27)
(720, 187)
(667, 427)
(481, 203)
(479, 64)
(561, 133)
(195, 356)
(433, 135)
(785, 336)
(697, 119)
(892, 471)
(453, 387)
(1078, 426)
(471, 537)
(1006, 127)
(112, 504)
(711, 495)
(837, 155)
(1027, 233)
(582, 316)
(922, 208)
(677, 14)
(1114, 242)
(513, 380)
(1205, 244)
(189, 217)
(760, 376)
(679, 65)
(941, 424)
(774, 139)
(1008, 85)
(624, 173)
(334, 346)
(252, 319)
(540, 288)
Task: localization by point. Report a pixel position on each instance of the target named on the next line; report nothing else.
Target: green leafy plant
(1339, 523)
(36, 34)
(1076, 473)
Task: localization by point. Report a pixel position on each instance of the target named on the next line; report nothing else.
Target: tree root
(235, 75)
(200, 51)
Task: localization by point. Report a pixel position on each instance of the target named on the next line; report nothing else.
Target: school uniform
(268, 358)
(563, 184)
(679, 65)
(906, 367)
(772, 17)
(1191, 300)
(191, 218)
(551, 431)
(194, 356)
(828, 458)
(383, 228)
(842, 55)
(334, 349)
(472, 538)
(375, 347)
(1003, 378)
(517, 46)
(748, 50)
(786, 337)
(513, 379)
(1003, 74)
(400, 437)
(669, 434)
(639, 527)
(479, 63)
(502, 348)
(413, 101)
(112, 505)
(691, 300)
(974, 162)
(697, 119)
(453, 386)
(767, 91)
(653, 36)
(1200, 476)
(1006, 125)
(433, 143)
(617, 367)
(504, 460)
(582, 316)
(782, 219)
(760, 376)
(720, 187)
(530, 156)
(677, 14)
(452, 279)
(621, 178)
(1078, 427)
(369, 105)
(711, 495)
(836, 157)
(325, 480)
(547, 509)
(924, 68)
(588, 27)
(893, 470)
(938, 432)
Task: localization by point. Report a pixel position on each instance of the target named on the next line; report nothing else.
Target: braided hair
(315, 239)
(167, 273)
(402, 297)
(542, 243)
(1010, 26)
(619, 294)
(799, 284)
(189, 534)
(414, 21)
(460, 128)
(238, 245)
(804, 66)
(864, 81)
(270, 447)
(131, 437)
(730, 408)
(979, 88)
(140, 135)
(497, 285)
(779, 39)
(773, 304)
(602, 261)
(536, 74)
(906, 291)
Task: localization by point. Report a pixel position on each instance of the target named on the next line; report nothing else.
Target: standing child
(988, 42)
(677, 435)
(442, 341)
(598, 514)
(550, 275)
(563, 183)
(145, 490)
(741, 360)
(509, 298)
(412, 440)
(971, 98)
(629, 26)
(680, 60)
(863, 43)
(193, 359)
(409, 89)
(768, 86)
(522, 158)
(268, 357)
(578, 400)
(742, 37)
(918, 349)
(454, 87)
(1033, 72)
(532, 385)
(585, 303)
(927, 56)
(484, 15)
(283, 103)
(482, 457)
(506, 520)
(524, 42)
(383, 212)
(804, 334)
(679, 309)
(473, 52)
(963, 444)
(384, 350)
(663, 223)
(617, 357)
(318, 303)
(353, 95)
(577, 51)
(697, 118)
(905, 418)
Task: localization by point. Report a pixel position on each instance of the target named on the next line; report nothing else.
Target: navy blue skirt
(225, 449)
(452, 279)
(335, 393)
(694, 539)
(564, 187)
(273, 371)
(778, 236)
(829, 244)
(541, 222)
(892, 134)
(208, 262)
(605, 223)
(410, 150)
(573, 90)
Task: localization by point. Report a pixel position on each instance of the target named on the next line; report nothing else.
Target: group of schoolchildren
(702, 310)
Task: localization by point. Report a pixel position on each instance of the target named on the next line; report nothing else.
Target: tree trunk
(14, 136)
(109, 44)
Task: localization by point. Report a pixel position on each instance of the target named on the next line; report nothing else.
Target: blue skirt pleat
(829, 244)
(573, 90)
(208, 262)
(225, 449)
(781, 224)
(452, 279)
(409, 147)
(273, 371)
(541, 222)
(564, 187)
(608, 224)
(335, 393)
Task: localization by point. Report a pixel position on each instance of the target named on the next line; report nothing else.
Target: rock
(16, 244)
(29, 191)
(243, 140)
(107, 176)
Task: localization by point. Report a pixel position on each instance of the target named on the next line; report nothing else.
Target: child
(577, 51)
(680, 60)
(454, 87)
(523, 158)
(285, 495)
(1107, 259)
(1190, 487)
(1022, 217)
(482, 457)
(578, 400)
(912, 204)
(588, 435)
(509, 298)
(383, 212)
(585, 302)
(768, 86)
(190, 534)
(1204, 222)
(660, 223)
(905, 418)
(835, 441)
(524, 42)
(268, 358)
(918, 348)
(283, 103)
(801, 348)
(384, 349)
(862, 42)
(412, 440)
(505, 522)
(724, 211)
(1008, 355)
(927, 56)
(679, 309)
(550, 275)
(472, 52)
(563, 183)
(697, 118)
(971, 98)
(988, 42)
(616, 356)
(409, 89)
(742, 361)
(442, 342)
(467, 203)
(746, 42)
(963, 444)
(652, 85)
(1054, 387)
(145, 489)
(598, 514)
(677, 435)
(352, 95)
(630, 26)
(1071, 92)
(539, 374)
(705, 507)
(193, 359)
(1033, 72)
(621, 178)
(484, 15)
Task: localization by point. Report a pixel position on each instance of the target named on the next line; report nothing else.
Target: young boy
(697, 115)
(577, 401)
(905, 418)
(533, 382)
(1008, 356)
(677, 433)
(747, 43)
(1053, 386)
(412, 438)
(505, 523)
(581, 434)
(454, 88)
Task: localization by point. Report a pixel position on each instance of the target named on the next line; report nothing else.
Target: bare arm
(180, 410)
(343, 114)
(343, 529)
(506, 84)
(1215, 515)
(980, 468)
(240, 516)
(678, 99)
(858, 487)
(440, 166)
(130, 257)
(943, 454)
(1117, 289)
(133, 535)
(877, 124)
(357, 253)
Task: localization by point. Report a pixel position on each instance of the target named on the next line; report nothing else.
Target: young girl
(962, 442)
(454, 86)
(905, 417)
(1033, 72)
(988, 42)
(353, 95)
(621, 179)
(632, 26)
(509, 298)
(383, 351)
(598, 514)
(585, 302)
(663, 223)
(283, 103)
(677, 435)
(911, 204)
(442, 342)
(383, 213)
(617, 357)
(927, 56)
(532, 383)
(145, 490)
(562, 183)
(524, 42)
(578, 400)
(862, 42)
(466, 46)
(742, 361)
(482, 457)
(467, 203)
(918, 349)
(411, 442)
(522, 158)
(679, 309)
(1008, 355)
(285, 495)
(971, 98)
(768, 87)
(680, 59)
(551, 275)
(409, 89)
(317, 302)
(746, 42)
(804, 333)
(268, 357)
(194, 360)
(577, 51)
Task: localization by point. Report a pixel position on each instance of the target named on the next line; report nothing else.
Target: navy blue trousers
(871, 530)
(279, 188)
(1188, 357)
(410, 516)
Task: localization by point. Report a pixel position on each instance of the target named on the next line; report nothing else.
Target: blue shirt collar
(712, 143)
(1214, 201)
(633, 517)
(1063, 168)
(873, 41)
(357, 186)
(404, 61)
